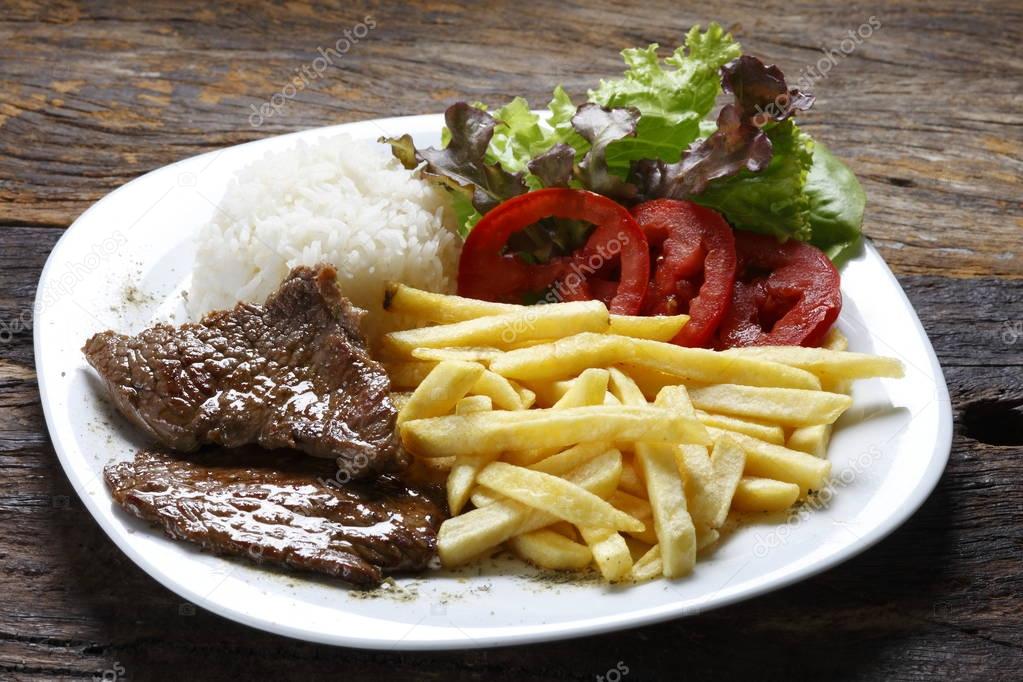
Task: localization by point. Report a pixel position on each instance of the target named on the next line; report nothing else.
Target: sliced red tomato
(613, 265)
(693, 259)
(785, 294)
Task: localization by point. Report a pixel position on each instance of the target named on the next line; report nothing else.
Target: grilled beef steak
(292, 373)
(281, 509)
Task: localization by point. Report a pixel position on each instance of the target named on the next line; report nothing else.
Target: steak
(291, 373)
(281, 509)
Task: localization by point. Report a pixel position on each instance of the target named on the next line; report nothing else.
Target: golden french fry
(835, 340)
(638, 508)
(474, 403)
(463, 476)
(589, 388)
(571, 355)
(408, 374)
(709, 476)
(441, 390)
(533, 322)
(549, 549)
(445, 309)
(500, 431)
(648, 566)
(481, 355)
(728, 461)
(482, 496)
(772, 433)
(650, 381)
(555, 496)
(786, 406)
(548, 392)
(826, 364)
(399, 398)
(561, 463)
(767, 460)
(565, 528)
(466, 536)
(693, 461)
(655, 328)
(526, 397)
(632, 505)
(764, 495)
(812, 440)
(565, 464)
(705, 537)
(631, 481)
(676, 534)
(439, 308)
(625, 389)
(610, 552)
(500, 391)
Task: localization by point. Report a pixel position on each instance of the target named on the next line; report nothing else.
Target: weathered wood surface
(928, 111)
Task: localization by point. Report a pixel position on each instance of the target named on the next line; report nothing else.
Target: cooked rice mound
(337, 200)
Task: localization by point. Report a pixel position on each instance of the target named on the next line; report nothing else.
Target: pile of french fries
(573, 437)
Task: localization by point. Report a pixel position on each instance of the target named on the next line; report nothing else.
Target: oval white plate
(124, 265)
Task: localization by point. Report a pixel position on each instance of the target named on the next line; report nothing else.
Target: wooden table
(928, 111)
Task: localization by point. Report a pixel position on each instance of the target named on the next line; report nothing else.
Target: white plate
(124, 264)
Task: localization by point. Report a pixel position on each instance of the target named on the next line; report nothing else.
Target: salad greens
(648, 135)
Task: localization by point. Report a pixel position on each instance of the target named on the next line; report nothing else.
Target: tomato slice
(693, 254)
(785, 294)
(613, 265)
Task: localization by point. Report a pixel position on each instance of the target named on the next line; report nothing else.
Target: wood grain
(928, 111)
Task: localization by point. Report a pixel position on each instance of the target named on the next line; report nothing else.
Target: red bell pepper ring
(693, 258)
(613, 265)
(786, 293)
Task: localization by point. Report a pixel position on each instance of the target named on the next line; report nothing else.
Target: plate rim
(524, 634)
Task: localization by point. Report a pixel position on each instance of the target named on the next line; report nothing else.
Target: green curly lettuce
(772, 200)
(673, 95)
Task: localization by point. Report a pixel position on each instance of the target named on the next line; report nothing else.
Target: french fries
(659, 328)
(572, 437)
(772, 433)
(441, 390)
(780, 463)
(440, 308)
(548, 549)
(503, 394)
(482, 355)
(534, 322)
(826, 364)
(547, 428)
(764, 495)
(473, 533)
(609, 550)
(556, 496)
(785, 406)
(446, 309)
(812, 440)
(571, 355)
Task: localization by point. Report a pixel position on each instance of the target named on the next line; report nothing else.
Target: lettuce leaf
(461, 166)
(673, 96)
(603, 127)
(521, 136)
(562, 111)
(773, 200)
(836, 205)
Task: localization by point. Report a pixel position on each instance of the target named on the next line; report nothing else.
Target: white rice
(340, 201)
